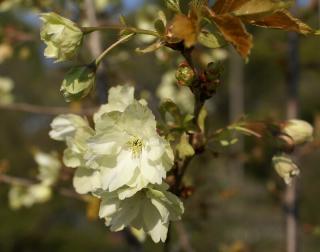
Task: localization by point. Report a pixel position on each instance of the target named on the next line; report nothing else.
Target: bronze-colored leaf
(185, 28)
(227, 6)
(234, 31)
(259, 8)
(281, 20)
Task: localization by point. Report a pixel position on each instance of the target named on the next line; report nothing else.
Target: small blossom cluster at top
(123, 161)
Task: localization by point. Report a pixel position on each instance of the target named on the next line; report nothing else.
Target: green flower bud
(300, 131)
(285, 167)
(78, 82)
(185, 75)
(62, 37)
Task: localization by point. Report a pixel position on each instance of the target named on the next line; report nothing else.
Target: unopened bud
(185, 75)
(213, 71)
(78, 82)
(285, 167)
(300, 131)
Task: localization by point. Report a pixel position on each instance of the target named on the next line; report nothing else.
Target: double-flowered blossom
(128, 150)
(62, 37)
(150, 210)
(75, 131)
(123, 161)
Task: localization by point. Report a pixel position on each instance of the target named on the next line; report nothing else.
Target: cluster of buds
(205, 84)
(210, 79)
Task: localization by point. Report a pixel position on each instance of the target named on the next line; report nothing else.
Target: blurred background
(237, 205)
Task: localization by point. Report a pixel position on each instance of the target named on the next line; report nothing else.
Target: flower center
(135, 144)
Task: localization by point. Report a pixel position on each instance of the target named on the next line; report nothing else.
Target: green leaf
(173, 5)
(170, 112)
(202, 118)
(226, 143)
(209, 40)
(160, 27)
(161, 23)
(151, 48)
(162, 17)
(197, 4)
(184, 148)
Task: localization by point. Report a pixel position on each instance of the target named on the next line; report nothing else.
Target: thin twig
(45, 110)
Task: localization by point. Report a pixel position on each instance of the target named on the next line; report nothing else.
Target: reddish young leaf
(260, 8)
(185, 28)
(234, 31)
(281, 20)
(227, 6)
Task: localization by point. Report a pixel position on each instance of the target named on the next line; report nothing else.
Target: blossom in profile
(285, 167)
(300, 131)
(48, 166)
(62, 37)
(149, 210)
(75, 131)
(27, 196)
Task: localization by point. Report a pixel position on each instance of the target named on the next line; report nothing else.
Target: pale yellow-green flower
(6, 86)
(62, 37)
(48, 166)
(123, 161)
(285, 167)
(27, 196)
(75, 131)
(149, 210)
(300, 131)
(128, 150)
(118, 99)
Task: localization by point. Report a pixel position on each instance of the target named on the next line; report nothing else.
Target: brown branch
(45, 110)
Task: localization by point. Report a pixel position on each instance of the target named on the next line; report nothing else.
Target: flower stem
(88, 30)
(121, 40)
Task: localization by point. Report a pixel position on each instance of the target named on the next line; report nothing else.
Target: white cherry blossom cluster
(48, 172)
(123, 161)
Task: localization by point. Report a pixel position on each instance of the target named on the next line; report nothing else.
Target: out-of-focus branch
(28, 182)
(95, 38)
(45, 110)
(95, 47)
(184, 238)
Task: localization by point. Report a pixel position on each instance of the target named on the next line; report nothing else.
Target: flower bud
(185, 75)
(285, 167)
(62, 37)
(213, 71)
(78, 82)
(300, 131)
